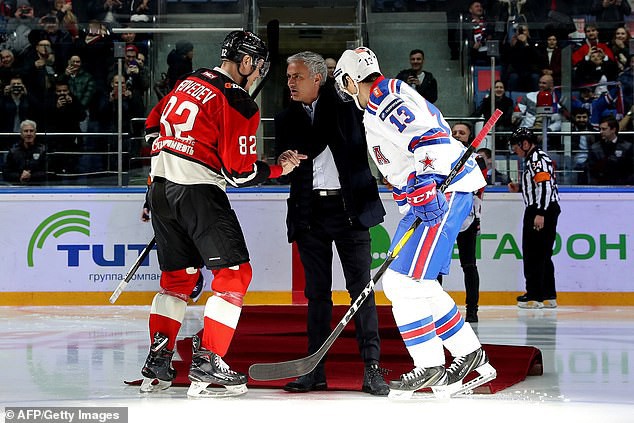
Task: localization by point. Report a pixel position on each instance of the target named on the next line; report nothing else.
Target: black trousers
(537, 249)
(329, 223)
(467, 251)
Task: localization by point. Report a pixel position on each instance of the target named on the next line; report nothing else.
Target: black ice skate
(208, 368)
(158, 366)
(462, 366)
(418, 378)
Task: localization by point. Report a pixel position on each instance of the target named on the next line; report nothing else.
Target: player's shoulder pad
(208, 75)
(381, 91)
(234, 94)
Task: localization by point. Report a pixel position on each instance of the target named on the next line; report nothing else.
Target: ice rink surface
(80, 356)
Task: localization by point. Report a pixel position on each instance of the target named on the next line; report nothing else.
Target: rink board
(57, 242)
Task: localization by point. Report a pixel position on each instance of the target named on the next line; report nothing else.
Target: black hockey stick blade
(128, 276)
(302, 366)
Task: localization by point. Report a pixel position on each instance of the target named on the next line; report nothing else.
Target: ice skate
(207, 369)
(418, 378)
(524, 302)
(158, 371)
(462, 366)
(551, 303)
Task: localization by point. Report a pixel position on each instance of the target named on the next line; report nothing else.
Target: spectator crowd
(531, 36)
(58, 69)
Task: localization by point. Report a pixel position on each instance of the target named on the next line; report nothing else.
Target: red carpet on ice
(278, 333)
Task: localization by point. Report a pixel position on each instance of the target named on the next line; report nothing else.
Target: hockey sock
(166, 316)
(223, 309)
(222, 313)
(456, 336)
(413, 317)
(416, 325)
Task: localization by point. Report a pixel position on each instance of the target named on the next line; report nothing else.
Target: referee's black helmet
(521, 134)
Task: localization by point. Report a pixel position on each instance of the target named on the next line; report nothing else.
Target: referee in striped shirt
(541, 197)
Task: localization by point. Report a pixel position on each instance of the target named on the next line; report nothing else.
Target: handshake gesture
(289, 160)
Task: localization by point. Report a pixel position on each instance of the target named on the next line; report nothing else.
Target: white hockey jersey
(406, 133)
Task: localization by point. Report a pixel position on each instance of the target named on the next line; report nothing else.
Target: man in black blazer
(333, 198)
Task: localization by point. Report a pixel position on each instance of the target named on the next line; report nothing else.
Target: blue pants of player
(428, 252)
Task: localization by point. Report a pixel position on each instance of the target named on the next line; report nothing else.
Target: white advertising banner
(593, 250)
(86, 242)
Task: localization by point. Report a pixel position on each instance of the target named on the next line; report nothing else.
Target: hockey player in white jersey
(411, 143)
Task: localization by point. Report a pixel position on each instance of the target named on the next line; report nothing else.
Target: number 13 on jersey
(401, 117)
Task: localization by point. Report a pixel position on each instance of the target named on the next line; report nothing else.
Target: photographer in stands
(15, 106)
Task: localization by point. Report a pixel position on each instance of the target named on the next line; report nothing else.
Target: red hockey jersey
(204, 132)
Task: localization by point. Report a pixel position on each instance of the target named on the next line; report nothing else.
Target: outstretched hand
(289, 160)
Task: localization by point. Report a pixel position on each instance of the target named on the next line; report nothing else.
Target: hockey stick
(126, 279)
(302, 366)
(273, 38)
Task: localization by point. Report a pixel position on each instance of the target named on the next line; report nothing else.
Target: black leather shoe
(373, 382)
(313, 381)
(523, 298)
(471, 315)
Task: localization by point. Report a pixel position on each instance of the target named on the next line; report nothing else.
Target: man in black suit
(333, 198)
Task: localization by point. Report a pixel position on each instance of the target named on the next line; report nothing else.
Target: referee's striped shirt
(539, 187)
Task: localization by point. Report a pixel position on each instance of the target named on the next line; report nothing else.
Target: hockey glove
(426, 202)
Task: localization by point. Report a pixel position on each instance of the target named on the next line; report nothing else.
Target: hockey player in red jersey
(203, 136)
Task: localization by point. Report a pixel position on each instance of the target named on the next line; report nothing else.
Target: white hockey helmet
(357, 64)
